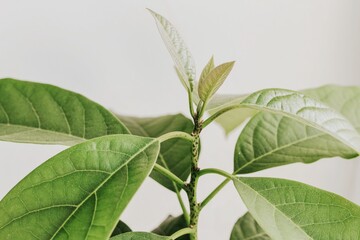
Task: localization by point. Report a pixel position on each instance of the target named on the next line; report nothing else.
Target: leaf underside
(270, 140)
(175, 154)
(178, 50)
(291, 210)
(79, 193)
(40, 113)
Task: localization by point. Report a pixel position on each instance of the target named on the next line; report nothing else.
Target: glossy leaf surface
(246, 228)
(291, 210)
(40, 113)
(178, 50)
(172, 225)
(270, 140)
(175, 154)
(80, 192)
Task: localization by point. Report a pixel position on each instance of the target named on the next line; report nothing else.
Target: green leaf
(184, 63)
(207, 69)
(270, 140)
(305, 110)
(139, 236)
(41, 113)
(80, 192)
(213, 81)
(233, 118)
(175, 154)
(246, 228)
(120, 228)
(172, 225)
(291, 210)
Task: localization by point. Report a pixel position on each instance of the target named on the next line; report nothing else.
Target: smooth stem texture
(218, 113)
(182, 232)
(169, 175)
(176, 134)
(191, 104)
(216, 171)
(182, 205)
(214, 192)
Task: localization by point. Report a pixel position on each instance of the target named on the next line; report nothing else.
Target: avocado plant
(81, 192)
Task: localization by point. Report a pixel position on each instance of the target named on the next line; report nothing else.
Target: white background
(111, 52)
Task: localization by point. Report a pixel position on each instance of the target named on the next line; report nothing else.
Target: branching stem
(176, 134)
(169, 175)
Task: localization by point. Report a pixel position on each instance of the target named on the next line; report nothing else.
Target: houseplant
(81, 192)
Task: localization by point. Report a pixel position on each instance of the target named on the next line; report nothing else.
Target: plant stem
(214, 192)
(182, 232)
(182, 205)
(176, 134)
(216, 171)
(192, 186)
(191, 104)
(218, 113)
(169, 175)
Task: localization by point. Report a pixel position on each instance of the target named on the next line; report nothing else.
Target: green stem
(214, 192)
(182, 205)
(176, 134)
(182, 232)
(192, 186)
(218, 113)
(169, 175)
(191, 104)
(216, 171)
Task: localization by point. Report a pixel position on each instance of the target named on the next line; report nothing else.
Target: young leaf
(247, 228)
(172, 225)
(139, 236)
(291, 210)
(120, 228)
(212, 82)
(207, 69)
(270, 140)
(184, 63)
(41, 113)
(175, 155)
(80, 192)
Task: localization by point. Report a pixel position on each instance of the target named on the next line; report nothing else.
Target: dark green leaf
(246, 228)
(41, 113)
(291, 210)
(172, 225)
(120, 228)
(80, 192)
(175, 154)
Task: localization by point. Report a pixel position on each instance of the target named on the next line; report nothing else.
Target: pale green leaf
(305, 110)
(213, 80)
(207, 69)
(175, 154)
(246, 228)
(139, 236)
(233, 118)
(291, 210)
(80, 192)
(178, 50)
(270, 140)
(120, 228)
(172, 225)
(41, 113)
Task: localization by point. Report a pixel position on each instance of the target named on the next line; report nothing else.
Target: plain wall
(111, 52)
